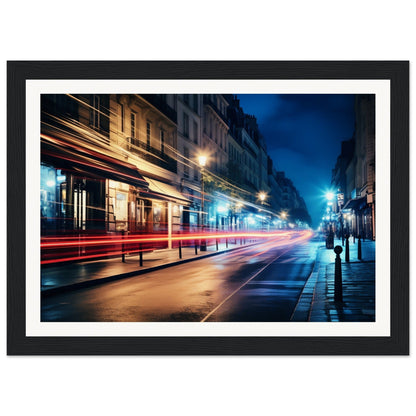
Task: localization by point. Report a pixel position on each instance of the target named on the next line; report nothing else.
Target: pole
(338, 275)
(359, 248)
(347, 247)
(180, 249)
(203, 245)
(169, 225)
(141, 255)
(123, 256)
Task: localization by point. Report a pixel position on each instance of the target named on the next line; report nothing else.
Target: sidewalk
(58, 278)
(317, 303)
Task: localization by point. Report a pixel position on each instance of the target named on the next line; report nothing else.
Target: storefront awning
(161, 190)
(87, 161)
(356, 204)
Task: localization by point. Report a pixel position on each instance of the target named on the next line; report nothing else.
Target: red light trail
(65, 249)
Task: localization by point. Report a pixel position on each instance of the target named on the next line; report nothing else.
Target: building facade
(126, 164)
(354, 173)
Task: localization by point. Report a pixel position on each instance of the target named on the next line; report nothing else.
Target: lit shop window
(157, 214)
(53, 196)
(118, 204)
(47, 192)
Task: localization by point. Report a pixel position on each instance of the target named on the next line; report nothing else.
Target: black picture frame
(20, 344)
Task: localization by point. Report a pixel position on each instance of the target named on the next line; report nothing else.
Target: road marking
(249, 280)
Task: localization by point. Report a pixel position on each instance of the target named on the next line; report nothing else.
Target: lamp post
(262, 197)
(202, 162)
(283, 216)
(330, 237)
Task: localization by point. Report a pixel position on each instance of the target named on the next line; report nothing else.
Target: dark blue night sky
(303, 133)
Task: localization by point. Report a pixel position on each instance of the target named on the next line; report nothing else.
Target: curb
(95, 282)
(304, 305)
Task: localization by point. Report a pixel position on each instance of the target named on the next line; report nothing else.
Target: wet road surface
(261, 283)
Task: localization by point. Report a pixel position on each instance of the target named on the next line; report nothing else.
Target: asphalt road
(254, 284)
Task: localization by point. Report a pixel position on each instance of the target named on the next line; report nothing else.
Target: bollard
(359, 248)
(180, 249)
(353, 238)
(196, 247)
(123, 255)
(141, 255)
(338, 275)
(347, 248)
(226, 243)
(216, 243)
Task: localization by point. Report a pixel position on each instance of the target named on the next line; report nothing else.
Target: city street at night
(206, 207)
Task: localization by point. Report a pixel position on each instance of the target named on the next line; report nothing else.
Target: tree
(300, 214)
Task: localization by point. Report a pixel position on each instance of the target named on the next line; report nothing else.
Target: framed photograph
(208, 208)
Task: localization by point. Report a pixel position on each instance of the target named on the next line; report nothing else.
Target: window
(195, 128)
(186, 99)
(122, 118)
(148, 132)
(196, 105)
(95, 114)
(185, 166)
(133, 124)
(185, 125)
(162, 141)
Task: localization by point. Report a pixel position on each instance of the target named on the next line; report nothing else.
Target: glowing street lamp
(202, 160)
(283, 217)
(330, 196)
(262, 197)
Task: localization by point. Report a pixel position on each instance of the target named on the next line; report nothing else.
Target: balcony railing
(152, 155)
(157, 101)
(212, 104)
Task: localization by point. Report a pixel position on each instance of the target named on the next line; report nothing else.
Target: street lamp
(202, 162)
(283, 216)
(262, 197)
(330, 196)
